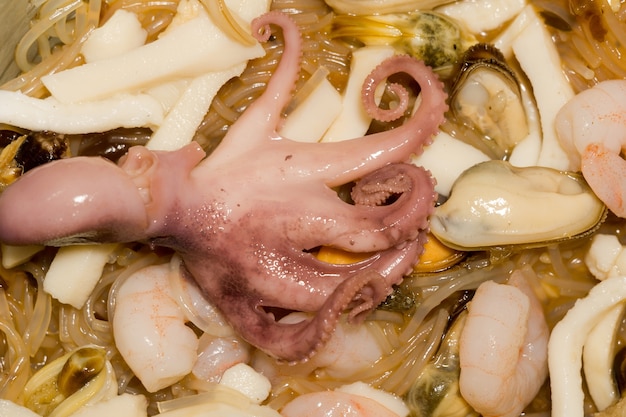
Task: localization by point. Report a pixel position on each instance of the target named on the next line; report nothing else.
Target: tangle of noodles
(69, 27)
(37, 329)
(592, 42)
(60, 28)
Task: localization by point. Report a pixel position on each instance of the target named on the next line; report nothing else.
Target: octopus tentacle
(368, 228)
(375, 189)
(284, 78)
(396, 145)
(384, 115)
(309, 281)
(266, 112)
(299, 341)
(297, 159)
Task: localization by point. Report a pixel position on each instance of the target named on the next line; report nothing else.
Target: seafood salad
(313, 208)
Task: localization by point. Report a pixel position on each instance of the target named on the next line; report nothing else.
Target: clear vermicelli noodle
(83, 17)
(593, 47)
(409, 345)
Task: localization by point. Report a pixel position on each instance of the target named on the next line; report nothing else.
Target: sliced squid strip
(124, 110)
(567, 340)
(598, 354)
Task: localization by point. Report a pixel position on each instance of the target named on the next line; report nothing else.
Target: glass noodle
(37, 329)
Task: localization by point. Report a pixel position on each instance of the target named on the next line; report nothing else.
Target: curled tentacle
(366, 227)
(284, 78)
(377, 187)
(396, 145)
(266, 111)
(384, 115)
(298, 341)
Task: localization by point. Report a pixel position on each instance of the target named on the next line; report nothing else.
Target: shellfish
(82, 376)
(432, 37)
(436, 391)
(494, 204)
(21, 151)
(486, 102)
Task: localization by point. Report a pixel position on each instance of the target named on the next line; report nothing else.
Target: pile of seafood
(446, 197)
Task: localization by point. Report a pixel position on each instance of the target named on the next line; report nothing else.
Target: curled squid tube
(598, 354)
(567, 340)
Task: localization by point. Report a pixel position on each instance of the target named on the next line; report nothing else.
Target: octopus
(246, 219)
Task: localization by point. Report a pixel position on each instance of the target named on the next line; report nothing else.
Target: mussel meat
(436, 392)
(486, 102)
(433, 37)
(494, 204)
(82, 376)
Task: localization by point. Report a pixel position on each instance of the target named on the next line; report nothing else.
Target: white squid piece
(568, 338)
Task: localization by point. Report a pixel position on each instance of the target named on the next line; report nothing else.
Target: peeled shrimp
(592, 130)
(217, 354)
(337, 359)
(150, 331)
(354, 400)
(503, 348)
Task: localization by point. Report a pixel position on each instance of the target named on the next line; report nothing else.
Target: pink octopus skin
(245, 219)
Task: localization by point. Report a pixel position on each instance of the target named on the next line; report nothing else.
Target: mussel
(433, 37)
(22, 151)
(494, 204)
(436, 392)
(486, 102)
(82, 376)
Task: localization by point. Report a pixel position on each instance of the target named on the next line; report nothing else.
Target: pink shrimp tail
(605, 172)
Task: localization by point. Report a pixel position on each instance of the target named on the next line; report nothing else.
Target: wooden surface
(14, 18)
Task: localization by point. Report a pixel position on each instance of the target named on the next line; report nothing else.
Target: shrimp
(354, 400)
(592, 130)
(337, 359)
(217, 354)
(503, 348)
(150, 331)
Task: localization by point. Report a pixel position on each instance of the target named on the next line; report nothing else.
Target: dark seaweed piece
(41, 147)
(401, 299)
(554, 20)
(7, 136)
(619, 370)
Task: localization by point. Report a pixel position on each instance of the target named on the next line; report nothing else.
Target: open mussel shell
(80, 377)
(436, 391)
(437, 257)
(496, 205)
(21, 151)
(486, 102)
